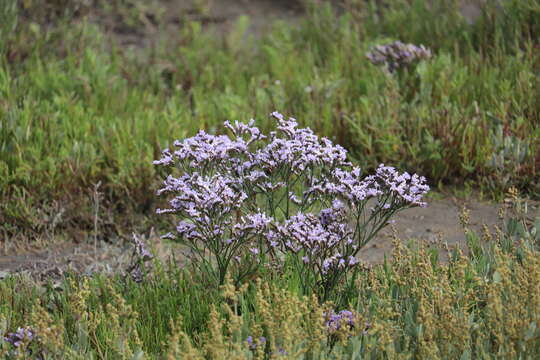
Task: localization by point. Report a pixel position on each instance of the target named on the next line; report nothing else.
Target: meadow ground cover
(482, 304)
(78, 110)
(274, 220)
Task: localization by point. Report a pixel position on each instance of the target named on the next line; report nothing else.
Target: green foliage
(478, 304)
(76, 109)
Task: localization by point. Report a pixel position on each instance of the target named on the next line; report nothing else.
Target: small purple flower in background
(397, 55)
(140, 260)
(335, 322)
(19, 336)
(253, 345)
(140, 249)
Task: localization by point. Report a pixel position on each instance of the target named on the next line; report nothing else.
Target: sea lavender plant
(243, 201)
(140, 260)
(21, 336)
(254, 344)
(398, 55)
(21, 341)
(328, 243)
(343, 319)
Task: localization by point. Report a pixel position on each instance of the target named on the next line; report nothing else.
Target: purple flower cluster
(18, 337)
(347, 185)
(140, 260)
(350, 186)
(241, 197)
(205, 149)
(252, 224)
(334, 322)
(325, 241)
(410, 189)
(203, 192)
(254, 344)
(298, 149)
(397, 55)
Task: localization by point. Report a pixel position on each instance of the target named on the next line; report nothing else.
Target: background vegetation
(76, 109)
(82, 117)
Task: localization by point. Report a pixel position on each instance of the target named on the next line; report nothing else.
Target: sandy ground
(434, 225)
(221, 15)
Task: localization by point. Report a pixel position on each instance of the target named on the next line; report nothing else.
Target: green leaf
(531, 331)
(497, 277)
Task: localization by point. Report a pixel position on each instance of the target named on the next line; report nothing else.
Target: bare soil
(436, 225)
(220, 16)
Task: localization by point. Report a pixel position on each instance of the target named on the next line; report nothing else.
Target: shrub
(291, 200)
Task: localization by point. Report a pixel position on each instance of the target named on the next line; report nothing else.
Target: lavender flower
(252, 226)
(397, 55)
(347, 185)
(334, 322)
(204, 149)
(239, 129)
(140, 249)
(197, 192)
(318, 238)
(229, 191)
(139, 260)
(188, 230)
(299, 149)
(20, 336)
(254, 344)
(324, 243)
(409, 188)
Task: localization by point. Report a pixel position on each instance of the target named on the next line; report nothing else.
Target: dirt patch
(85, 258)
(162, 19)
(437, 225)
(434, 225)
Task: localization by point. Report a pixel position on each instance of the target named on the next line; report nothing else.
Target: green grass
(483, 304)
(75, 109)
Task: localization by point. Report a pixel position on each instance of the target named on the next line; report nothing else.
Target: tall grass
(481, 304)
(75, 109)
